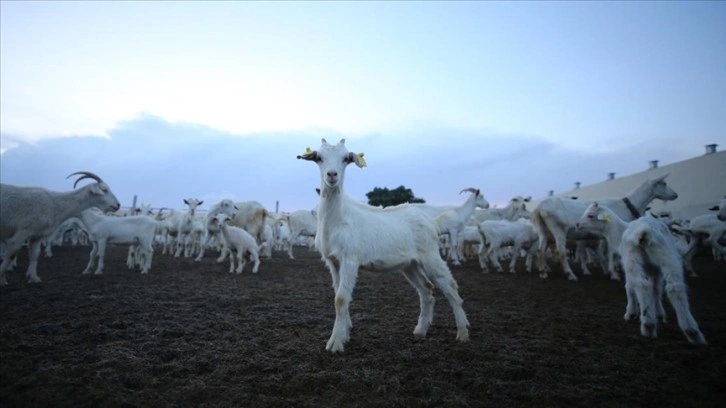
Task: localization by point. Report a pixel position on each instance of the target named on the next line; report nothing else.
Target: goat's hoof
(334, 346)
(462, 336)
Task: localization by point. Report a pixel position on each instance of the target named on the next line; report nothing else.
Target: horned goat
(650, 261)
(555, 218)
(451, 222)
(354, 236)
(32, 213)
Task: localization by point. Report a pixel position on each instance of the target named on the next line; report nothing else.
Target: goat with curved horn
(84, 175)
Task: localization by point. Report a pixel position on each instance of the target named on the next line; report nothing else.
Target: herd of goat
(417, 239)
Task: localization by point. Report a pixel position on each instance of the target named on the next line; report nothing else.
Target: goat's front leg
(101, 255)
(32, 271)
(343, 297)
(92, 257)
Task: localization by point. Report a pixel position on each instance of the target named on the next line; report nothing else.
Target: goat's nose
(332, 173)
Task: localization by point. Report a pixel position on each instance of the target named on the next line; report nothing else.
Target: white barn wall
(700, 183)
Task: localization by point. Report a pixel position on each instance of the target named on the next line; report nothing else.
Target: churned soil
(191, 334)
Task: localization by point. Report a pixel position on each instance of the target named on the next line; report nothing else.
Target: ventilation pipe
(611, 176)
(653, 164)
(711, 148)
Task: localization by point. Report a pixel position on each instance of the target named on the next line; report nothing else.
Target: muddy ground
(190, 334)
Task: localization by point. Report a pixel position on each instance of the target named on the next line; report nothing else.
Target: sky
(211, 100)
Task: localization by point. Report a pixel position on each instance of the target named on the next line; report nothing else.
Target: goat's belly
(384, 266)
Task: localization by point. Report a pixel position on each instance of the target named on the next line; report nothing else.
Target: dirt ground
(190, 334)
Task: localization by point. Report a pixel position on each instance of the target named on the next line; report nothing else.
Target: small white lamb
(239, 242)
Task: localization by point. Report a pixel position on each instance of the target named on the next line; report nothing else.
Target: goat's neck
(465, 210)
(615, 231)
(641, 197)
(71, 203)
(332, 205)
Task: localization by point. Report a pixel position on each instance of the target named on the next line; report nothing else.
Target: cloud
(164, 162)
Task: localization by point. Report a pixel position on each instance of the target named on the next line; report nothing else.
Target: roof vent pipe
(711, 148)
(577, 185)
(653, 164)
(551, 193)
(611, 176)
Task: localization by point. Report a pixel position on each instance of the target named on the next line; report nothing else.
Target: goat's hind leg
(416, 276)
(440, 274)
(677, 293)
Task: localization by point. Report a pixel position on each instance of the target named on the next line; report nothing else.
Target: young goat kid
(239, 241)
(353, 236)
(650, 260)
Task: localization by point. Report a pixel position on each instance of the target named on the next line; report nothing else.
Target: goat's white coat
(556, 217)
(353, 236)
(32, 213)
(650, 261)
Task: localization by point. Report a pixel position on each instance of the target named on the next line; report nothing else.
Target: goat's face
(593, 219)
(102, 192)
(333, 160)
(228, 207)
(193, 203)
(661, 189)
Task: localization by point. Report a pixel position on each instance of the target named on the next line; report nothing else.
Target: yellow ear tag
(360, 161)
(606, 217)
(308, 150)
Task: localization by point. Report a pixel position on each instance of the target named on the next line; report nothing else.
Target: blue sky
(173, 100)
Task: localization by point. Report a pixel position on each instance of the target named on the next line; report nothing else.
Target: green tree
(385, 197)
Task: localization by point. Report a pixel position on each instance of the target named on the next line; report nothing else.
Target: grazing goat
(225, 206)
(555, 218)
(137, 231)
(354, 236)
(32, 213)
(239, 242)
(650, 261)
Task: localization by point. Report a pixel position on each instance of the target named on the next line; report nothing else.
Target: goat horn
(470, 189)
(84, 175)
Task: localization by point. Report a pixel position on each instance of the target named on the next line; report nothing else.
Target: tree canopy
(385, 197)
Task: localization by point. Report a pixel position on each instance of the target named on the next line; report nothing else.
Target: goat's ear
(603, 216)
(357, 159)
(528, 199)
(94, 189)
(186, 201)
(714, 208)
(201, 202)
(342, 142)
(309, 154)
(661, 178)
(317, 190)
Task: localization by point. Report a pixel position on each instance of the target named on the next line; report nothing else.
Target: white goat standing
(451, 222)
(555, 218)
(650, 261)
(251, 216)
(226, 206)
(354, 236)
(32, 213)
(497, 234)
(137, 231)
(301, 223)
(185, 228)
(706, 230)
(239, 242)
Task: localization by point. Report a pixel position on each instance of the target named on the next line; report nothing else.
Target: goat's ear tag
(606, 217)
(360, 161)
